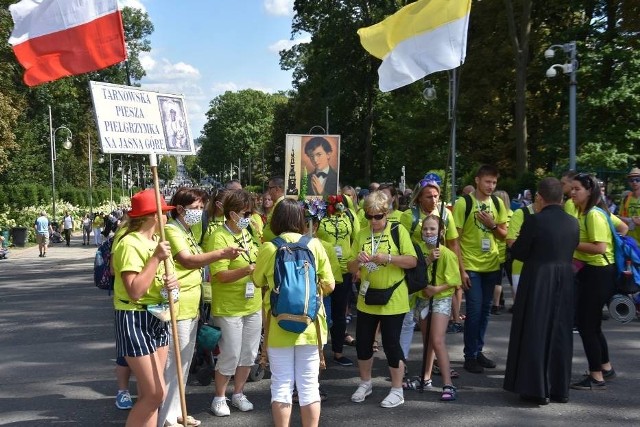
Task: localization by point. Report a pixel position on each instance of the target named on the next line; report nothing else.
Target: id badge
(485, 244)
(363, 287)
(249, 290)
(338, 250)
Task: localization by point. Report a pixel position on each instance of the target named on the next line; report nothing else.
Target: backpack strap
(468, 204)
(205, 225)
(395, 235)
(415, 218)
(304, 240)
(614, 233)
(625, 206)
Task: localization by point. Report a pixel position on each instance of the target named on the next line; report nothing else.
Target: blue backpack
(295, 300)
(102, 276)
(627, 259)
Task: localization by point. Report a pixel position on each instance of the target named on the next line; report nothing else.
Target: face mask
(243, 223)
(192, 216)
(430, 240)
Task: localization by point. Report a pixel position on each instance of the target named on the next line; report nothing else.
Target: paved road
(57, 352)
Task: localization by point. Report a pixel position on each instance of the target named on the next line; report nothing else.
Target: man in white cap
(630, 206)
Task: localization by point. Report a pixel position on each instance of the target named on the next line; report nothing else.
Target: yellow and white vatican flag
(420, 39)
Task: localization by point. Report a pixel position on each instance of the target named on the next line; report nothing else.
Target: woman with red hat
(140, 290)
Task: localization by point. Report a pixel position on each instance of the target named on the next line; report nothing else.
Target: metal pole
(453, 98)
(327, 119)
(53, 168)
(110, 182)
(573, 83)
(239, 171)
(90, 180)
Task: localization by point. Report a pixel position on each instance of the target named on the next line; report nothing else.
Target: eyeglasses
(377, 217)
(634, 180)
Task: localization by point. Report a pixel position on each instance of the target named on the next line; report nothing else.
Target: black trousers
(390, 327)
(339, 302)
(595, 287)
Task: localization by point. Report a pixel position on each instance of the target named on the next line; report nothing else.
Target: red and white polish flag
(58, 38)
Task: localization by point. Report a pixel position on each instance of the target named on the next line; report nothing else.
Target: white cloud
(222, 87)
(136, 4)
(279, 7)
(287, 44)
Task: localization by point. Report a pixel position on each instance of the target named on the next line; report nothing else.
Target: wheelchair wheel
(256, 374)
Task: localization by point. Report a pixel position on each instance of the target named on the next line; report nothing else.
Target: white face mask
(430, 240)
(192, 216)
(243, 223)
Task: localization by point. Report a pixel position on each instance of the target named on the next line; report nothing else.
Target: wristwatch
(494, 227)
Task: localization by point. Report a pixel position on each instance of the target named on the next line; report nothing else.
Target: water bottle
(98, 261)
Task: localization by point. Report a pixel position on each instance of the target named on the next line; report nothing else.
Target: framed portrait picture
(312, 165)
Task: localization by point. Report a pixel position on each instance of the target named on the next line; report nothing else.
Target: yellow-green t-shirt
(502, 244)
(131, 253)
(474, 232)
(190, 279)
(263, 276)
(257, 228)
(386, 275)
(594, 227)
(213, 224)
(333, 261)
(570, 208)
(629, 208)
(267, 234)
(447, 271)
(515, 225)
(228, 299)
(406, 219)
(339, 231)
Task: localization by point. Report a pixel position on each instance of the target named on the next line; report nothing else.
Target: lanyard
(195, 248)
(374, 245)
(246, 255)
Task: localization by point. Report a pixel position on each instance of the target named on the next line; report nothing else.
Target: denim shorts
(440, 306)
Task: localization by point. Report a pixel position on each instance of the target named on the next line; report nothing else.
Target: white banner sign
(135, 121)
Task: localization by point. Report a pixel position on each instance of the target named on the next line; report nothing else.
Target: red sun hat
(144, 203)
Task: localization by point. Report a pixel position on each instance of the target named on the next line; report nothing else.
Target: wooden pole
(153, 162)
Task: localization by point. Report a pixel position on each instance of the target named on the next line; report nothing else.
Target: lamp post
(100, 160)
(120, 168)
(67, 145)
(569, 67)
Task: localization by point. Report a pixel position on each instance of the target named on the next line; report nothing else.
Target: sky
(203, 48)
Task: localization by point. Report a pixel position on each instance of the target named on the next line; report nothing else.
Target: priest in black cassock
(541, 339)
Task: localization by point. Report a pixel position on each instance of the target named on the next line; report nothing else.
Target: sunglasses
(376, 217)
(634, 180)
(585, 179)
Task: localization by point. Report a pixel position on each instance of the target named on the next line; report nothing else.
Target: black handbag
(380, 296)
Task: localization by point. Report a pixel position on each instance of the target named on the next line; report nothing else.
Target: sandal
(449, 393)
(375, 346)
(413, 383)
(191, 422)
(349, 340)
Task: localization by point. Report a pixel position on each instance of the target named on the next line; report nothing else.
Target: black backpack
(416, 276)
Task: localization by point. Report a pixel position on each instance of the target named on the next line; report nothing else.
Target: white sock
(237, 395)
(397, 390)
(219, 399)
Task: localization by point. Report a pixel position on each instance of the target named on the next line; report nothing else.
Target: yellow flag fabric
(420, 39)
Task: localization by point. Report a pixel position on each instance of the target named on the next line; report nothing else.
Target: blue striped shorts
(139, 333)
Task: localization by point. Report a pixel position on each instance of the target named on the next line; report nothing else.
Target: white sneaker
(242, 403)
(220, 408)
(392, 400)
(363, 390)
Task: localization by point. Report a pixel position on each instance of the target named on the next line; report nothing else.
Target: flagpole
(453, 104)
(168, 268)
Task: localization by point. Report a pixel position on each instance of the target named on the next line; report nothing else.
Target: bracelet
(494, 227)
(389, 259)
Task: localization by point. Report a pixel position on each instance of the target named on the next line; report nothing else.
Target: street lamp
(120, 168)
(67, 145)
(100, 160)
(569, 67)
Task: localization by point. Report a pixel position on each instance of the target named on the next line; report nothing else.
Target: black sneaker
(495, 310)
(473, 366)
(485, 362)
(608, 375)
(343, 361)
(589, 384)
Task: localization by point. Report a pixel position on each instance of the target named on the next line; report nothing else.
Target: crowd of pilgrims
(219, 250)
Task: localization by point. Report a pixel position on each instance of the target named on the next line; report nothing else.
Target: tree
(239, 126)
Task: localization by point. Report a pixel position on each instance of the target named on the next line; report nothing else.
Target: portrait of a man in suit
(323, 181)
